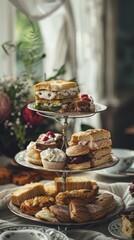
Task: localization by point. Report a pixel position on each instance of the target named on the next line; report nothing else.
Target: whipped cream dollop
(53, 155)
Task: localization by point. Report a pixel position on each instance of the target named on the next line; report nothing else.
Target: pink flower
(31, 117)
(5, 106)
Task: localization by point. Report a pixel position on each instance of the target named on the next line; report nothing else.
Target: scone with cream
(53, 158)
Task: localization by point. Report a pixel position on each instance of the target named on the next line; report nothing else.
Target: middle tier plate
(20, 158)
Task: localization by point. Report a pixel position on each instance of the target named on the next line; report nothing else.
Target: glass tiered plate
(20, 158)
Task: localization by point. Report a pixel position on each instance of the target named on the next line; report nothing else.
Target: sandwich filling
(50, 95)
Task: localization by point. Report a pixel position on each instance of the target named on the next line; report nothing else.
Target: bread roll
(26, 192)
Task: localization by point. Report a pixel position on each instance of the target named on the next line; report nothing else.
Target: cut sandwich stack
(62, 96)
(55, 95)
(89, 149)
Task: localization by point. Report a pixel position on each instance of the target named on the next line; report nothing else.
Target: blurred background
(90, 40)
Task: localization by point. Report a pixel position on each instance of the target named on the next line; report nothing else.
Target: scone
(78, 157)
(53, 158)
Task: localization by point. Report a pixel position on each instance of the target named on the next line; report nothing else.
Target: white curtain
(73, 34)
(7, 24)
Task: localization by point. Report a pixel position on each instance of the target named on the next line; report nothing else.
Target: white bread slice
(90, 135)
(55, 85)
(27, 191)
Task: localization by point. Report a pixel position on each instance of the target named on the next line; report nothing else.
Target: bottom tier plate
(119, 208)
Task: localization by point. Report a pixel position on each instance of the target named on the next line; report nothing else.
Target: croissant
(33, 205)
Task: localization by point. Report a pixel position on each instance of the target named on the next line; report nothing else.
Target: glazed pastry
(34, 205)
(85, 195)
(78, 211)
(107, 201)
(95, 211)
(61, 212)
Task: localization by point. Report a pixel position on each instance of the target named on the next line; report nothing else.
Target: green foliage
(85, 127)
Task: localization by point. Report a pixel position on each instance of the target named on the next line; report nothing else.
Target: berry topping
(86, 98)
(51, 134)
(84, 95)
(45, 138)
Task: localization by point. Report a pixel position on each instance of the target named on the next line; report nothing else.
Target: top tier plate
(98, 108)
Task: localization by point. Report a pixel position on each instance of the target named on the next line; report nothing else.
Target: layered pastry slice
(127, 224)
(89, 149)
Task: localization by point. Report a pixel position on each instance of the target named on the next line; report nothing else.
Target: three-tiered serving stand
(63, 120)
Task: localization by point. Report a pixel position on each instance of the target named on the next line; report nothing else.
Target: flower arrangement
(18, 124)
